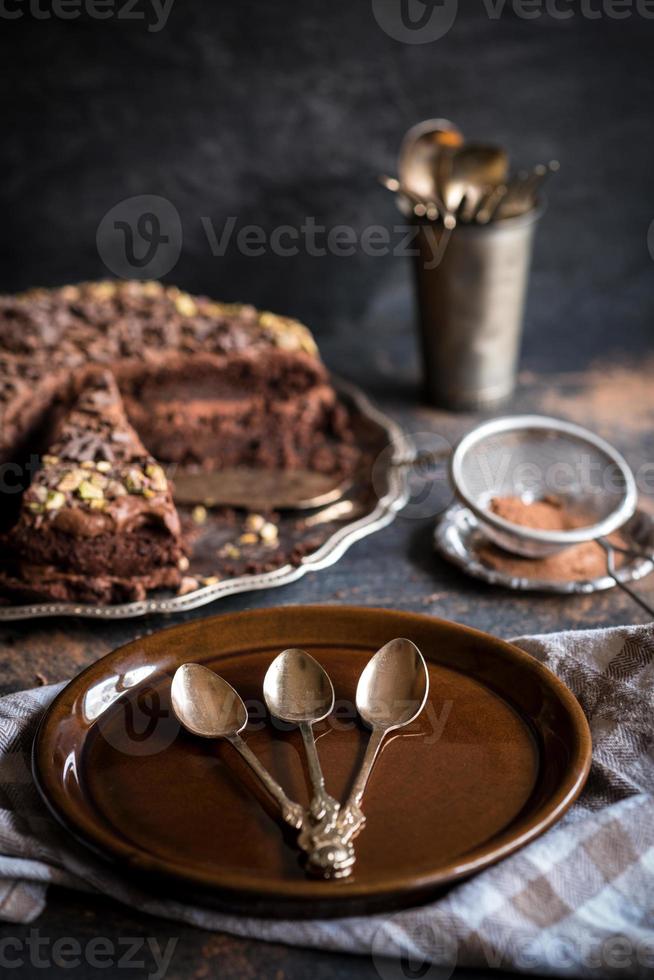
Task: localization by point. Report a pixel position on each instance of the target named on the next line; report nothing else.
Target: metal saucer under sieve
(534, 457)
(461, 540)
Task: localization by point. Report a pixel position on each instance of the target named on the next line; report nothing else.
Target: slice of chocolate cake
(98, 523)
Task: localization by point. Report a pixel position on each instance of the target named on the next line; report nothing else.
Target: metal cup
(471, 288)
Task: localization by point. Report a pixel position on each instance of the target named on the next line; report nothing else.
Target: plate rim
(406, 888)
(329, 552)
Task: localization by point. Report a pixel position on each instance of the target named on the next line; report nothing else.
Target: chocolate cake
(184, 381)
(98, 518)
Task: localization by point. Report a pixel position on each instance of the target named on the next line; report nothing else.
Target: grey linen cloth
(578, 901)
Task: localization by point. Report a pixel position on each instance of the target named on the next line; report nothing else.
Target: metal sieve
(533, 457)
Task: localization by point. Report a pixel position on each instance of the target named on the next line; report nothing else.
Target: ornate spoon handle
(292, 812)
(323, 806)
(337, 859)
(333, 851)
(359, 788)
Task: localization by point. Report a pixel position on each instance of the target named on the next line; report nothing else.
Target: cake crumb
(199, 514)
(188, 584)
(255, 522)
(269, 533)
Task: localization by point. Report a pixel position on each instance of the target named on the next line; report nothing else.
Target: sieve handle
(630, 552)
(610, 550)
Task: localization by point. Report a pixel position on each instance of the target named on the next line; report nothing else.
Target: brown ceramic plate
(499, 754)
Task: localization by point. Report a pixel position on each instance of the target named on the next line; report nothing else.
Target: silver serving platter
(381, 514)
(458, 535)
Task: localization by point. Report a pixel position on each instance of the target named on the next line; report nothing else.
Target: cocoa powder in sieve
(580, 562)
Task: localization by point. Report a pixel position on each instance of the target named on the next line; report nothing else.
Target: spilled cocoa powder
(580, 562)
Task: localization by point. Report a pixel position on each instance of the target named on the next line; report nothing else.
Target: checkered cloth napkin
(578, 901)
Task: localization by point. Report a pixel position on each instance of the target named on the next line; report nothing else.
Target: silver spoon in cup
(472, 169)
(423, 150)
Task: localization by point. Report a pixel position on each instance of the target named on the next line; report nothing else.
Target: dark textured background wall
(273, 111)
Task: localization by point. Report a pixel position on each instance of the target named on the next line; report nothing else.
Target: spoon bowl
(393, 687)
(420, 152)
(205, 704)
(297, 689)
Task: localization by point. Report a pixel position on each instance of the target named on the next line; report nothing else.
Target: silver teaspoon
(206, 705)
(391, 693)
(298, 690)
